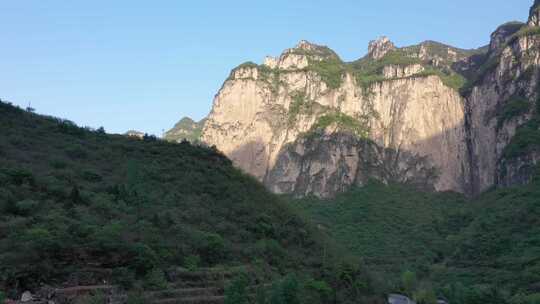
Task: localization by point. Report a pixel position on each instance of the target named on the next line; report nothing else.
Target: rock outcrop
(430, 115)
(377, 49)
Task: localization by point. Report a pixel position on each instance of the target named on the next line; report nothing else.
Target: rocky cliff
(430, 115)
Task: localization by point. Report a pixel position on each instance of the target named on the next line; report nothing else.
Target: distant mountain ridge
(185, 129)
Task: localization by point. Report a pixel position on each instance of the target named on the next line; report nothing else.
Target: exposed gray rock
(261, 116)
(27, 297)
(380, 47)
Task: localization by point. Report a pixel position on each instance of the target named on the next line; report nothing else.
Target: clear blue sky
(144, 64)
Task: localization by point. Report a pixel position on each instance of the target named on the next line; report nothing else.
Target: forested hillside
(78, 206)
(485, 250)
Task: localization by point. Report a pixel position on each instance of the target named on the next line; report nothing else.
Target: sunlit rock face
(306, 123)
(255, 121)
(380, 47)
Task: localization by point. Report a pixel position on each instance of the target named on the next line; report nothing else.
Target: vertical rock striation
(430, 115)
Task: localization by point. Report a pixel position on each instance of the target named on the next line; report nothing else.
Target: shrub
(526, 138)
(76, 152)
(321, 289)
(271, 250)
(26, 207)
(97, 298)
(155, 280)
(58, 164)
(124, 277)
(236, 291)
(408, 282)
(91, 176)
(213, 249)
(514, 107)
(192, 262)
(298, 104)
(20, 176)
(136, 297)
(331, 71)
(343, 122)
(285, 291)
(525, 299)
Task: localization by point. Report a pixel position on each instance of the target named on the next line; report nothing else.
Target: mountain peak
(185, 129)
(379, 47)
(534, 14)
(306, 45)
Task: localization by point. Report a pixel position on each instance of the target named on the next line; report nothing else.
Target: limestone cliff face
(308, 123)
(261, 113)
(503, 101)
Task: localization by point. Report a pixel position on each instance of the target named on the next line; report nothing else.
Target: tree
(236, 292)
(408, 282)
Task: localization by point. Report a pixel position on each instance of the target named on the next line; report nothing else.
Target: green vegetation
(388, 226)
(236, 292)
(331, 71)
(514, 107)
(488, 66)
(73, 199)
(320, 51)
(450, 79)
(368, 71)
(343, 122)
(186, 129)
(512, 27)
(527, 31)
(527, 137)
(300, 105)
(484, 250)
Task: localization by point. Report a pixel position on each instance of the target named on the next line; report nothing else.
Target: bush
(26, 207)
(213, 249)
(514, 107)
(425, 295)
(136, 297)
(97, 298)
(58, 164)
(124, 277)
(525, 299)
(192, 262)
(155, 280)
(20, 176)
(323, 292)
(91, 176)
(408, 282)
(236, 291)
(76, 152)
(331, 71)
(271, 250)
(285, 291)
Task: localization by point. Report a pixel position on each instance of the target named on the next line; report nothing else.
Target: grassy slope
(72, 199)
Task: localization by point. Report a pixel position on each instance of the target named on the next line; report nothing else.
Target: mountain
(185, 129)
(82, 207)
(430, 115)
